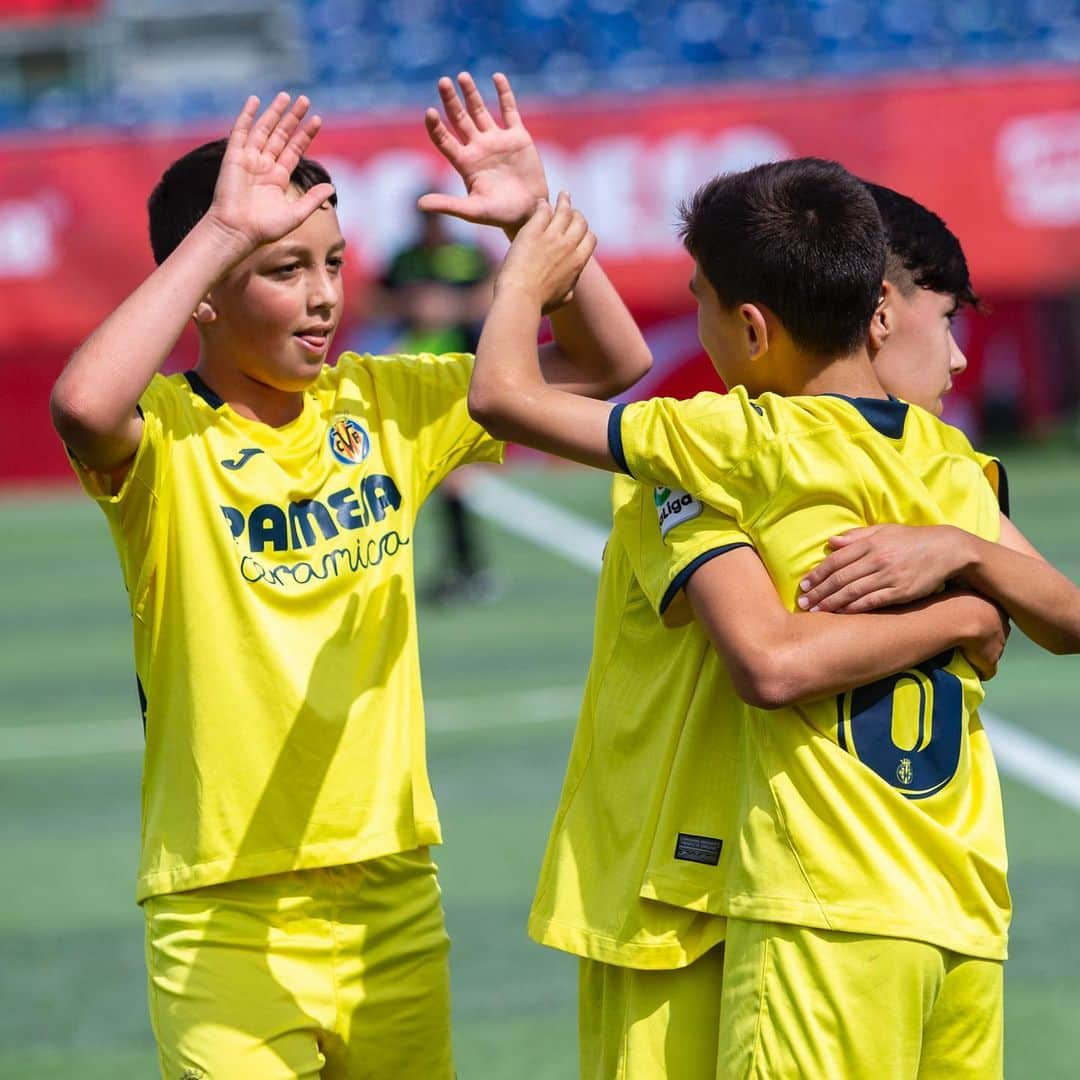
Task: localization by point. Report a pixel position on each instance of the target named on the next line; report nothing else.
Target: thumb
(538, 220)
(455, 205)
(311, 200)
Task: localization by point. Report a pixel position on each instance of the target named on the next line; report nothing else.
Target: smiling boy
(262, 506)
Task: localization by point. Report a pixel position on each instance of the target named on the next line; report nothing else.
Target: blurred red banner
(998, 156)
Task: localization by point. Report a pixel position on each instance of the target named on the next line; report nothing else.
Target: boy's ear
(756, 329)
(205, 312)
(883, 320)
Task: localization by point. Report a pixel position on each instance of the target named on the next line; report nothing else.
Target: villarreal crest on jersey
(270, 576)
(876, 811)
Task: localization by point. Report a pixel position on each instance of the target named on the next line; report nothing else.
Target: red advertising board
(998, 156)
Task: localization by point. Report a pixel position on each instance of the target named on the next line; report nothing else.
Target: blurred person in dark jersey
(436, 290)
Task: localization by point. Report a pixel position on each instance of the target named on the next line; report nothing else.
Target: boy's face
(919, 357)
(276, 312)
(722, 332)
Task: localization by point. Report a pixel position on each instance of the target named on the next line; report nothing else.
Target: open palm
(500, 165)
(252, 199)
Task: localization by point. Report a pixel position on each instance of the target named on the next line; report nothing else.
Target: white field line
(1020, 755)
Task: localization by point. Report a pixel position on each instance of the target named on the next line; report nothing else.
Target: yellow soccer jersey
(877, 811)
(270, 577)
(649, 691)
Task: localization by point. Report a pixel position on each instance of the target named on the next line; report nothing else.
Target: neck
(250, 398)
(852, 376)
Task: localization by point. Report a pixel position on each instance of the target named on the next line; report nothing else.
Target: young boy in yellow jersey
(787, 865)
(262, 507)
(915, 355)
(648, 969)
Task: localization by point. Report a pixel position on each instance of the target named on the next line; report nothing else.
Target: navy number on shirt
(908, 727)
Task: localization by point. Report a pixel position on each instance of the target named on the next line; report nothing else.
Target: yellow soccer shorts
(650, 1025)
(330, 973)
(816, 1003)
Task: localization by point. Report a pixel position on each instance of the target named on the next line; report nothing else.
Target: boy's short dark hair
(923, 252)
(802, 237)
(186, 190)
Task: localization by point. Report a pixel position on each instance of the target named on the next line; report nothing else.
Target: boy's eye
(288, 268)
(336, 262)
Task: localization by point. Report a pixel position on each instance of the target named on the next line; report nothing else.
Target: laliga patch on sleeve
(673, 507)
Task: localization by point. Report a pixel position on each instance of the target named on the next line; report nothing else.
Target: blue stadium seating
(363, 53)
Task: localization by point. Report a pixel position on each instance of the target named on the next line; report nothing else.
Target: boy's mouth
(316, 338)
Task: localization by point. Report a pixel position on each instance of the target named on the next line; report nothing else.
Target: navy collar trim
(885, 416)
(199, 387)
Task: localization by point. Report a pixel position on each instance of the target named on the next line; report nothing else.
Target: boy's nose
(957, 359)
(321, 291)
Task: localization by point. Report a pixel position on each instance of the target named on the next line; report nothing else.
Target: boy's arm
(598, 349)
(508, 394)
(890, 564)
(776, 657)
(94, 400)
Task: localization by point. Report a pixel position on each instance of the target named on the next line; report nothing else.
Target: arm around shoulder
(1041, 600)
(777, 657)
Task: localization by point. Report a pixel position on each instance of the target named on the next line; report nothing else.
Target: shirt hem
(592, 945)
(306, 857)
(755, 909)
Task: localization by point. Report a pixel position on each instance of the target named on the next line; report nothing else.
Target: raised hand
(548, 254)
(500, 165)
(253, 203)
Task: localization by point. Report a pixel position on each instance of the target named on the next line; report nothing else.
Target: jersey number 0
(907, 727)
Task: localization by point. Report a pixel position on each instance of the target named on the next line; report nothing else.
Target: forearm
(510, 397)
(797, 657)
(598, 349)
(1041, 600)
(96, 394)
(824, 654)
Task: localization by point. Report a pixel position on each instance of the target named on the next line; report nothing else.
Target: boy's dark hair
(186, 190)
(923, 252)
(802, 237)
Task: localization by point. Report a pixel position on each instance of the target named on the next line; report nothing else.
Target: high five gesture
(500, 165)
(253, 201)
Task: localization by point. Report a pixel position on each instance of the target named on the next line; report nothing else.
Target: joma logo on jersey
(303, 523)
(674, 506)
(242, 458)
(349, 442)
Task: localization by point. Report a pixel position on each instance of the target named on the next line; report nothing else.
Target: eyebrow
(296, 250)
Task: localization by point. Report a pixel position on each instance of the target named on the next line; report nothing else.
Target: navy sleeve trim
(1003, 488)
(690, 569)
(614, 438)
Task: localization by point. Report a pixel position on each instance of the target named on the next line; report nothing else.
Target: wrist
(519, 292)
(975, 618)
(228, 244)
(968, 551)
(511, 229)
